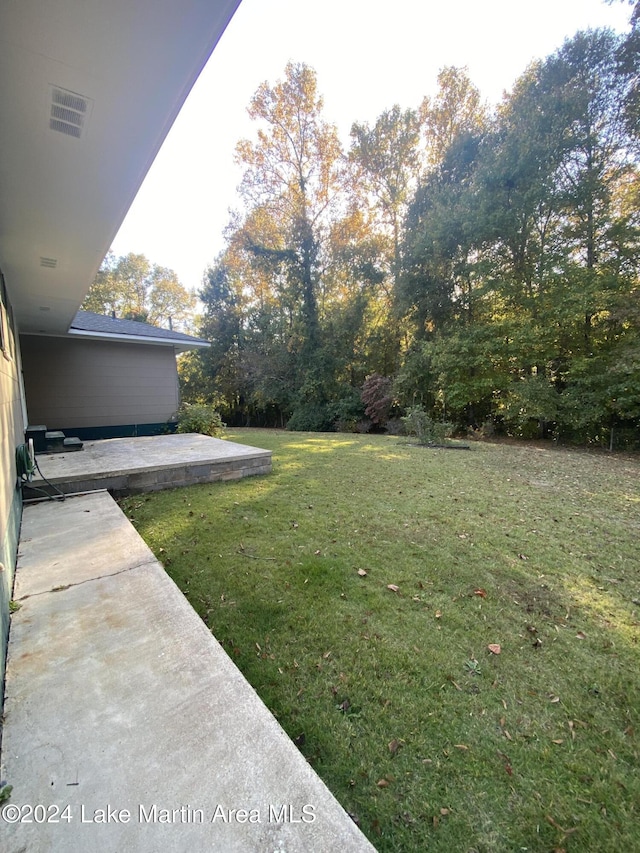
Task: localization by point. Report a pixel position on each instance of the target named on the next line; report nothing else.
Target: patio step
(127, 722)
(56, 442)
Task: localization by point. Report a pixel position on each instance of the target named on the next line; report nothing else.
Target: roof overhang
(178, 345)
(88, 91)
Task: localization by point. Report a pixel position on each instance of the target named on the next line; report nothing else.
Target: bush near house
(198, 417)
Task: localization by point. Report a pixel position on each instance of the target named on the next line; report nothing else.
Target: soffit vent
(69, 112)
(49, 263)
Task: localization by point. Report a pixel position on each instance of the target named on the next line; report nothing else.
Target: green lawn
(359, 587)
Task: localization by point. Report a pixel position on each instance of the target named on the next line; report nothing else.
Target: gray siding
(75, 383)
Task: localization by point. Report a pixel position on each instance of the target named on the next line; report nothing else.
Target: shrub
(364, 426)
(394, 426)
(348, 411)
(198, 417)
(418, 423)
(311, 417)
(377, 397)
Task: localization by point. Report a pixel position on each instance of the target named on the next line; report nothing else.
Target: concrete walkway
(127, 722)
(148, 463)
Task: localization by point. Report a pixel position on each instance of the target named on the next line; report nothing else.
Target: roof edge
(179, 344)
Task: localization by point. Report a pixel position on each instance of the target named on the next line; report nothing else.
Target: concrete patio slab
(149, 463)
(125, 721)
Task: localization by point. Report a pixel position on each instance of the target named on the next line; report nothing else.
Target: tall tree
(130, 287)
(292, 172)
(457, 108)
(388, 160)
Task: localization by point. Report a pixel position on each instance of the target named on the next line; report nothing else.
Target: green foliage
(311, 417)
(531, 398)
(427, 431)
(198, 417)
(132, 288)
(348, 411)
(490, 264)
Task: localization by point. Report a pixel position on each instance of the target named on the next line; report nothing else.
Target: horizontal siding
(73, 383)
(11, 435)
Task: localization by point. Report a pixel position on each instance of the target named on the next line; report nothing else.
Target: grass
(429, 739)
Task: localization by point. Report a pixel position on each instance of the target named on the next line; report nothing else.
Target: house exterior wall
(11, 435)
(86, 385)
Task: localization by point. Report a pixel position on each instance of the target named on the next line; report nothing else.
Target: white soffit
(88, 91)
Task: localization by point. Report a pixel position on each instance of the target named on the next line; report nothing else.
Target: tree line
(480, 263)
(130, 287)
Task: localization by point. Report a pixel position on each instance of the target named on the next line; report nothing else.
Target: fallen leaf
(522, 557)
(393, 587)
(494, 648)
(581, 635)
(481, 592)
(508, 769)
(557, 740)
(461, 746)
(438, 614)
(554, 699)
(317, 553)
(394, 746)
(362, 573)
(382, 783)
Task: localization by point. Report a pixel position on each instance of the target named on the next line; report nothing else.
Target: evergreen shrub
(427, 431)
(311, 417)
(198, 417)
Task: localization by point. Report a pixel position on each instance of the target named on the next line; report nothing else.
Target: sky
(368, 55)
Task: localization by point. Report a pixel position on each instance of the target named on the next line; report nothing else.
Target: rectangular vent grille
(49, 263)
(69, 112)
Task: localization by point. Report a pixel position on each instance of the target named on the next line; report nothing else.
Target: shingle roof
(87, 321)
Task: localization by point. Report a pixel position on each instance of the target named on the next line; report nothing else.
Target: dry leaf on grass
(394, 746)
(494, 648)
(393, 587)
